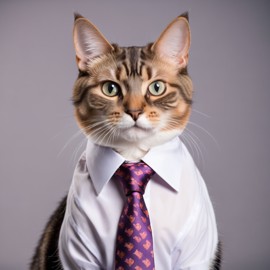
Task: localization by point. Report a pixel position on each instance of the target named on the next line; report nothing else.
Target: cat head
(132, 96)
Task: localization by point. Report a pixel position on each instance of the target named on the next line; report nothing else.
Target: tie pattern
(134, 243)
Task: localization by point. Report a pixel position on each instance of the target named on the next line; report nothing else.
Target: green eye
(157, 88)
(110, 89)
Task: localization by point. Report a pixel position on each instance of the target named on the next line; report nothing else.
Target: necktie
(134, 242)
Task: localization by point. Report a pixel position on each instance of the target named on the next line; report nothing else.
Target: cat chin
(134, 143)
(136, 134)
(161, 137)
(136, 150)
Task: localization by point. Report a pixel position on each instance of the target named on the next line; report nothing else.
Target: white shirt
(181, 213)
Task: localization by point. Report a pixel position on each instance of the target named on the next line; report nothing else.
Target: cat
(130, 100)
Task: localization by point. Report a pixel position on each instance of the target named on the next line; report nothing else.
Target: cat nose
(134, 113)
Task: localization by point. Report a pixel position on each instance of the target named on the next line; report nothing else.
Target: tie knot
(134, 176)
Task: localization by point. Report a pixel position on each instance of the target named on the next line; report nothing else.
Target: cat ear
(88, 42)
(174, 42)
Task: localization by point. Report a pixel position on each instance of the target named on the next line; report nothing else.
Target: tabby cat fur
(149, 85)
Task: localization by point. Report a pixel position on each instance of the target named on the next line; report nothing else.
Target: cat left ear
(174, 42)
(88, 42)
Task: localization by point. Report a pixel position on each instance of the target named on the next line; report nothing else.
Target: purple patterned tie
(134, 243)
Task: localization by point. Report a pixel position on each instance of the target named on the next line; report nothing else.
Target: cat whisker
(76, 135)
(185, 139)
(95, 127)
(100, 134)
(195, 138)
(110, 135)
(199, 144)
(65, 129)
(206, 132)
(201, 113)
(192, 133)
(75, 153)
(173, 124)
(188, 137)
(81, 133)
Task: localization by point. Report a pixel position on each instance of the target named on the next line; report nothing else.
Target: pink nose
(134, 113)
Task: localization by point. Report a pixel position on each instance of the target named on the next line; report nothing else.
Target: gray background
(40, 143)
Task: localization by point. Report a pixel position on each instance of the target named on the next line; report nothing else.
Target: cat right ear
(174, 42)
(88, 42)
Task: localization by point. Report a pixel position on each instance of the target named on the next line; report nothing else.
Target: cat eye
(157, 88)
(110, 89)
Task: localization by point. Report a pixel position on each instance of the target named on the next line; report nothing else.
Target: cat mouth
(136, 133)
(138, 127)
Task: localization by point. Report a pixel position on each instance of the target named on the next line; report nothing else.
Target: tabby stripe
(126, 84)
(133, 60)
(100, 103)
(118, 72)
(121, 56)
(185, 113)
(165, 102)
(83, 74)
(133, 55)
(143, 56)
(78, 97)
(141, 67)
(149, 73)
(126, 68)
(183, 94)
(148, 55)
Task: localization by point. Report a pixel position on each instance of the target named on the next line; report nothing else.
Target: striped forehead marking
(132, 63)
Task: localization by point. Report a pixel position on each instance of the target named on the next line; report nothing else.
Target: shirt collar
(165, 160)
(102, 162)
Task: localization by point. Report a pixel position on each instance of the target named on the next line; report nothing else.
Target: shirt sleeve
(197, 247)
(74, 250)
